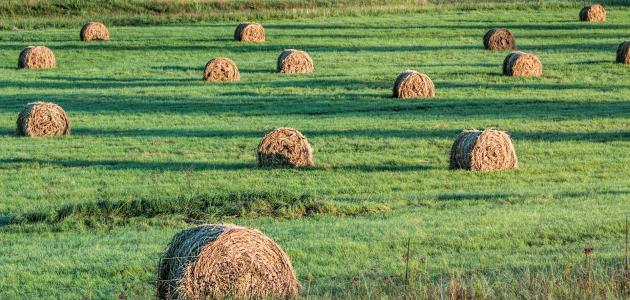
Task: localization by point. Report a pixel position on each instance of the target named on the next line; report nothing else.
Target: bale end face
(593, 13)
(413, 84)
(521, 64)
(42, 119)
(221, 69)
(294, 62)
(499, 39)
(486, 150)
(623, 53)
(284, 147)
(94, 31)
(218, 261)
(36, 57)
(249, 32)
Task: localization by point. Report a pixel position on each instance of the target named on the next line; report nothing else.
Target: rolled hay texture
(42, 119)
(36, 57)
(295, 62)
(623, 53)
(522, 64)
(499, 39)
(249, 32)
(221, 69)
(217, 261)
(593, 13)
(284, 147)
(413, 84)
(94, 31)
(483, 151)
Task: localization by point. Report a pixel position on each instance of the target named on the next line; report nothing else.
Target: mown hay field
(154, 149)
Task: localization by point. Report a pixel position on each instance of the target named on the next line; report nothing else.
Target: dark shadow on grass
(580, 35)
(73, 83)
(178, 166)
(165, 133)
(575, 47)
(507, 196)
(533, 86)
(326, 36)
(550, 136)
(481, 26)
(8, 131)
(477, 196)
(381, 168)
(270, 70)
(593, 62)
(127, 164)
(240, 99)
(178, 68)
(460, 65)
(5, 220)
(201, 68)
(236, 48)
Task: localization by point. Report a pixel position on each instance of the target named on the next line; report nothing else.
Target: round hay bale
(217, 261)
(413, 84)
(284, 147)
(94, 31)
(249, 32)
(499, 39)
(623, 53)
(295, 62)
(43, 119)
(36, 57)
(523, 64)
(593, 13)
(483, 151)
(221, 69)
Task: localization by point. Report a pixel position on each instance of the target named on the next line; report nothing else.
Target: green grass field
(146, 127)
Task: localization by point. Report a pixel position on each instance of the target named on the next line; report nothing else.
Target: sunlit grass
(147, 129)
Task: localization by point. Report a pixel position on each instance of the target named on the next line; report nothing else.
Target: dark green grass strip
(242, 204)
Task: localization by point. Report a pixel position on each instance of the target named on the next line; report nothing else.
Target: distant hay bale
(294, 61)
(413, 84)
(519, 63)
(249, 32)
(483, 151)
(593, 13)
(36, 57)
(42, 119)
(217, 261)
(623, 53)
(284, 147)
(499, 39)
(221, 69)
(94, 31)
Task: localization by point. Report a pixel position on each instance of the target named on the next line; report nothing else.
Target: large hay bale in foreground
(36, 57)
(221, 69)
(523, 64)
(593, 13)
(284, 147)
(499, 39)
(225, 261)
(94, 31)
(413, 84)
(42, 119)
(294, 61)
(483, 151)
(623, 53)
(249, 32)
